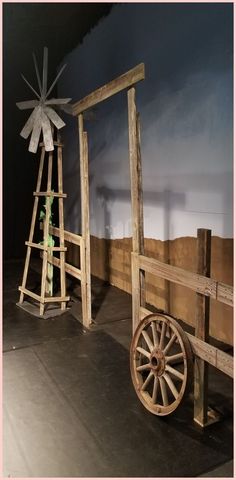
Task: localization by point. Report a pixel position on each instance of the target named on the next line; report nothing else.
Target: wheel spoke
(163, 331)
(147, 366)
(147, 381)
(147, 340)
(170, 343)
(155, 389)
(163, 392)
(144, 352)
(174, 372)
(155, 334)
(171, 385)
(174, 357)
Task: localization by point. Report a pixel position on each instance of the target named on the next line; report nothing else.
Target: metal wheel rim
(159, 385)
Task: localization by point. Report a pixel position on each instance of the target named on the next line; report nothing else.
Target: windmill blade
(27, 129)
(47, 133)
(34, 140)
(27, 104)
(37, 73)
(57, 101)
(45, 71)
(67, 109)
(55, 119)
(30, 86)
(55, 81)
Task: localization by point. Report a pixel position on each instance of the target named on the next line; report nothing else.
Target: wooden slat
(56, 299)
(56, 144)
(47, 132)
(225, 294)
(43, 299)
(57, 101)
(35, 135)
(70, 269)
(30, 86)
(69, 237)
(55, 119)
(29, 125)
(135, 291)
(56, 79)
(202, 329)
(50, 194)
(27, 104)
(25, 291)
(117, 85)
(61, 226)
(214, 356)
(46, 248)
(45, 72)
(37, 73)
(194, 281)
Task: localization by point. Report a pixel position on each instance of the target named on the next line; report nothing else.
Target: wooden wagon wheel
(161, 363)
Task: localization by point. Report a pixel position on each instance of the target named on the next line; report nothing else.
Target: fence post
(202, 414)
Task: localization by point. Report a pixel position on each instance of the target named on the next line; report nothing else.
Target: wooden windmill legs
(47, 248)
(32, 227)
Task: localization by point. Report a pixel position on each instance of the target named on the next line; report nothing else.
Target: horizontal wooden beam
(68, 236)
(45, 247)
(50, 194)
(56, 299)
(43, 299)
(31, 294)
(75, 272)
(117, 85)
(212, 355)
(194, 281)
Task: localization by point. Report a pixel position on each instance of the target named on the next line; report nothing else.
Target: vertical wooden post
(85, 251)
(136, 290)
(202, 329)
(35, 208)
(136, 199)
(61, 222)
(45, 235)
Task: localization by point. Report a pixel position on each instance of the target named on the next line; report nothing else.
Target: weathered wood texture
(61, 224)
(44, 286)
(117, 85)
(69, 237)
(85, 245)
(202, 329)
(194, 281)
(70, 269)
(136, 200)
(46, 250)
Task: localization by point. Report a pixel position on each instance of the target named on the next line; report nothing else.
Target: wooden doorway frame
(127, 81)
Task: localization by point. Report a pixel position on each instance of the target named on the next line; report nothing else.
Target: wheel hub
(157, 361)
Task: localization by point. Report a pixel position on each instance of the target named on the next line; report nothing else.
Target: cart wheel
(161, 363)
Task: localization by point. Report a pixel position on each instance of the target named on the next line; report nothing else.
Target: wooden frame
(125, 81)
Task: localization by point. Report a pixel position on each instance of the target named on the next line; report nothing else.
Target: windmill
(42, 113)
(43, 119)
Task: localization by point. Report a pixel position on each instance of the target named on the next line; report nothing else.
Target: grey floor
(69, 407)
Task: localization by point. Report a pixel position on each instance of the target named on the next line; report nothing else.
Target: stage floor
(69, 407)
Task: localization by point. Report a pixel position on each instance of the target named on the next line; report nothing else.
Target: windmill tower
(44, 119)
